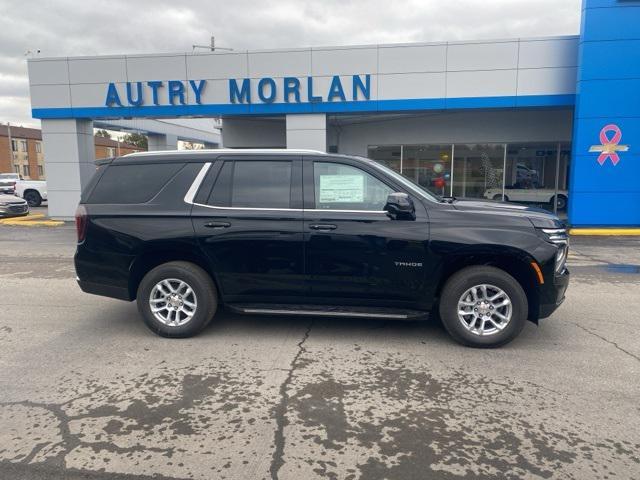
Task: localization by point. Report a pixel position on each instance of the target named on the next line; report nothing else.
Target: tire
(497, 197)
(33, 198)
(460, 283)
(562, 202)
(203, 291)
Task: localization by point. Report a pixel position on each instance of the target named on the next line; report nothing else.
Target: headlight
(559, 237)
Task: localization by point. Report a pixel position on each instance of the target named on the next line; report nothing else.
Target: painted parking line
(36, 220)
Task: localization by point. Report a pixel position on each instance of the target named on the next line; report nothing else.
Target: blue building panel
(605, 166)
(607, 98)
(623, 56)
(617, 21)
(602, 211)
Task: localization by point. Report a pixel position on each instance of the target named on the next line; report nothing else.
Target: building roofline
(316, 48)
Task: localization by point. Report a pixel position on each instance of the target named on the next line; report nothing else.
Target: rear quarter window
(132, 183)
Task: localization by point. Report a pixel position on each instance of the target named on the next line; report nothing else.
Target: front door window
(343, 187)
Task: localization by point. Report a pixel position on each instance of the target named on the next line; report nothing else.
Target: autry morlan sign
(241, 91)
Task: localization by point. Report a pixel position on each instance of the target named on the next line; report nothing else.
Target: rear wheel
(177, 299)
(33, 198)
(483, 306)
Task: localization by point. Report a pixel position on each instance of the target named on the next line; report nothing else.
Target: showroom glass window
(429, 166)
(534, 173)
(477, 168)
(388, 155)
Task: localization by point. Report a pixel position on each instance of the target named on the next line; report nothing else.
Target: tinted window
(342, 187)
(221, 193)
(132, 183)
(253, 184)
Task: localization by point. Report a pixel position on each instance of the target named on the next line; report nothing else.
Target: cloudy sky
(92, 27)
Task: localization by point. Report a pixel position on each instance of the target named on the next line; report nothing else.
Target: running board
(327, 311)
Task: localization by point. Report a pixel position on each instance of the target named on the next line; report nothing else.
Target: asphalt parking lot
(86, 391)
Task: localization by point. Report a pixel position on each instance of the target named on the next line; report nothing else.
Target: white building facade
(487, 119)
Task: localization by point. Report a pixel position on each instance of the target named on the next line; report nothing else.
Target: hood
(10, 199)
(539, 218)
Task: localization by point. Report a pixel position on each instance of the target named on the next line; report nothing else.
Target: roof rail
(222, 151)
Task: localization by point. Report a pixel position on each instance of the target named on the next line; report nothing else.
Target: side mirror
(399, 206)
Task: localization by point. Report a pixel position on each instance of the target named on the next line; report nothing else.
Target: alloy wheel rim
(484, 310)
(173, 302)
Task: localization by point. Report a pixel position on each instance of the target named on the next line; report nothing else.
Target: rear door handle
(322, 226)
(217, 225)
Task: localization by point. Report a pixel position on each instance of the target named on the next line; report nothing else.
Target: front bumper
(552, 296)
(14, 210)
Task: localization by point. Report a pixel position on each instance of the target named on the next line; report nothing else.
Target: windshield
(414, 187)
(12, 176)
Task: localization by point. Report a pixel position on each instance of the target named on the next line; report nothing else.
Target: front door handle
(217, 225)
(322, 226)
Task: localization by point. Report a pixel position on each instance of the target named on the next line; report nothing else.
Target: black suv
(293, 232)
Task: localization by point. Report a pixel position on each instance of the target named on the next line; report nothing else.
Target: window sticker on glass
(341, 189)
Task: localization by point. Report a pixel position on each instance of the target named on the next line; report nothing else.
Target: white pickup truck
(33, 191)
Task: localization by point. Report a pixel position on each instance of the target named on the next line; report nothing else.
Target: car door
(247, 217)
(354, 250)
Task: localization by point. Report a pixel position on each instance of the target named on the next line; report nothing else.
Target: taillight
(81, 223)
(13, 185)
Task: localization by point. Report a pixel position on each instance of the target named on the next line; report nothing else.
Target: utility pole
(212, 46)
(10, 146)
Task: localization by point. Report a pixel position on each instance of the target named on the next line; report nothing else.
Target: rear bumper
(553, 295)
(103, 274)
(104, 290)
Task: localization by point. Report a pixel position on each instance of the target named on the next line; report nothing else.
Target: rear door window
(253, 184)
(133, 183)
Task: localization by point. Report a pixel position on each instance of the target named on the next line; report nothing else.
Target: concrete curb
(605, 231)
(37, 220)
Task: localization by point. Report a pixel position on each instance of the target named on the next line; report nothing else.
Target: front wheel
(177, 299)
(483, 306)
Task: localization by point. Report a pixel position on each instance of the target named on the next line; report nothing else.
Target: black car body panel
(303, 253)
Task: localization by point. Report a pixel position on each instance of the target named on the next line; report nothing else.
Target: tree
(192, 146)
(136, 139)
(103, 133)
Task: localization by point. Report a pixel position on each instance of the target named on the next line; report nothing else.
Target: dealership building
(552, 122)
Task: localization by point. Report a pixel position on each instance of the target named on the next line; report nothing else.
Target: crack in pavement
(606, 340)
(280, 411)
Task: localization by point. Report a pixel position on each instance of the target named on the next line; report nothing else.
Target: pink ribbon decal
(609, 146)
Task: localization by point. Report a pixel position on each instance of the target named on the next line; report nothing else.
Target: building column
(69, 155)
(158, 141)
(307, 131)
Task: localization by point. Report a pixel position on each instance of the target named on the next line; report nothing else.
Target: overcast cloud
(87, 27)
